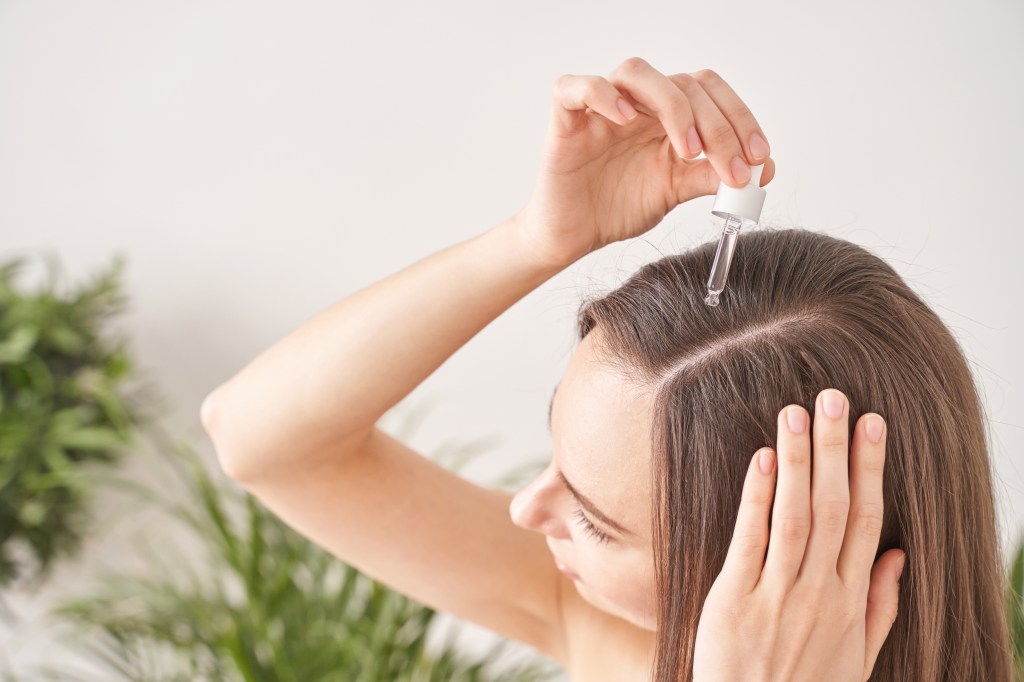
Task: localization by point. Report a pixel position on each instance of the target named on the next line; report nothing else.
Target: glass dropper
(739, 207)
(723, 259)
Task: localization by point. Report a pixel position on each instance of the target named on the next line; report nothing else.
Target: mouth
(561, 566)
(565, 569)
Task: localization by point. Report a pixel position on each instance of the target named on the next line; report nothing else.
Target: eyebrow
(580, 497)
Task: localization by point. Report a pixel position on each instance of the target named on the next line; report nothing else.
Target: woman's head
(593, 501)
(666, 399)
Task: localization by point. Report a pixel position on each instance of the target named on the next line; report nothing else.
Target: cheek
(621, 584)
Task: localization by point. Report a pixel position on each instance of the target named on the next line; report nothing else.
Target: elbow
(210, 414)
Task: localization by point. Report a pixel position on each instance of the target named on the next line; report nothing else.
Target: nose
(534, 507)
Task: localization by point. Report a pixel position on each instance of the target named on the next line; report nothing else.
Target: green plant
(61, 409)
(266, 605)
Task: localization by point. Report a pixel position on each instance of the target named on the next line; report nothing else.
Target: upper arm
(412, 524)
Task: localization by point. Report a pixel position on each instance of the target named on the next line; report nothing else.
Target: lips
(565, 569)
(560, 565)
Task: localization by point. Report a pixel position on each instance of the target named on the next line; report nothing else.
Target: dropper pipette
(723, 259)
(740, 207)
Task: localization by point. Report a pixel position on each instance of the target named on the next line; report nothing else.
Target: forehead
(600, 432)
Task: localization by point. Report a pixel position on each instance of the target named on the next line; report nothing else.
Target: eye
(591, 528)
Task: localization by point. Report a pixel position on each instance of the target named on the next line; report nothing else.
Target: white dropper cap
(744, 202)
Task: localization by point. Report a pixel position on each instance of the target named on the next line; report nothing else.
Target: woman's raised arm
(330, 380)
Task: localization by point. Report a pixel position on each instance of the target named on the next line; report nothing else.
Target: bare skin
(297, 426)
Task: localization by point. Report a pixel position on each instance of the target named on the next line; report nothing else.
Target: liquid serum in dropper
(740, 207)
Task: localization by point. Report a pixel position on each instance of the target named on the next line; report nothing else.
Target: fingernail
(740, 170)
(874, 425)
(833, 402)
(627, 109)
(899, 566)
(693, 141)
(797, 419)
(766, 460)
(758, 147)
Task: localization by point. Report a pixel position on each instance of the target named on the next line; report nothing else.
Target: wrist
(523, 238)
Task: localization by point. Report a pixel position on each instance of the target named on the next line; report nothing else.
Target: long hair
(804, 311)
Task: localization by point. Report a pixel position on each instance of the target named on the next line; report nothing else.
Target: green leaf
(16, 347)
(55, 458)
(92, 438)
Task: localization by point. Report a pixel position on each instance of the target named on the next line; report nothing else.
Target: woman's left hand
(815, 608)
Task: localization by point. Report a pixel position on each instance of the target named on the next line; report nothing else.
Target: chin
(643, 622)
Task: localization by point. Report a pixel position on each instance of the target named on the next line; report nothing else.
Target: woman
(701, 553)
(664, 399)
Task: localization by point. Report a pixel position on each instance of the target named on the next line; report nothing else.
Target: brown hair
(802, 312)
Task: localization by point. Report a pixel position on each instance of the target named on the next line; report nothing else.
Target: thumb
(883, 600)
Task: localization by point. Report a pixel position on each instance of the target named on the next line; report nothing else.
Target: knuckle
(833, 440)
(706, 76)
(739, 112)
(831, 513)
(795, 457)
(794, 527)
(561, 81)
(683, 81)
(591, 87)
(757, 497)
(633, 65)
(870, 519)
(721, 134)
(751, 545)
(678, 106)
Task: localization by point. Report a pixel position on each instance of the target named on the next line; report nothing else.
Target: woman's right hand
(605, 178)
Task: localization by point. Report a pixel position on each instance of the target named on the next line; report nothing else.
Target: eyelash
(591, 528)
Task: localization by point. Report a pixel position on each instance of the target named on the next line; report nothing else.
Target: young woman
(679, 532)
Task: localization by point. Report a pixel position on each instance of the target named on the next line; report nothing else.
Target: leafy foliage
(61, 408)
(267, 605)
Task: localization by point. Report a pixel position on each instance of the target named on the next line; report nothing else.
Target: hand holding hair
(818, 606)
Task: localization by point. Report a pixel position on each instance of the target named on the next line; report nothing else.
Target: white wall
(257, 162)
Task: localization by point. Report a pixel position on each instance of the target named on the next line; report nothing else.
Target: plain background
(257, 162)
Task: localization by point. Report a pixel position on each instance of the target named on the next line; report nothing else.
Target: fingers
(654, 92)
(745, 559)
(701, 107)
(830, 488)
(791, 514)
(883, 602)
(751, 137)
(572, 95)
(864, 527)
(725, 125)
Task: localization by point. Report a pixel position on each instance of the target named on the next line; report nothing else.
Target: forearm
(332, 378)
